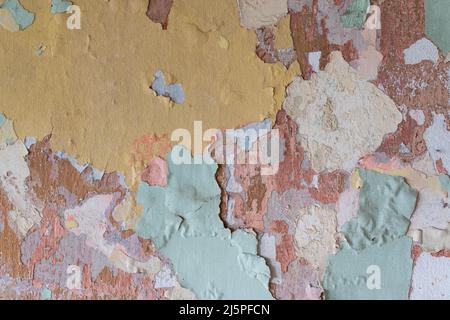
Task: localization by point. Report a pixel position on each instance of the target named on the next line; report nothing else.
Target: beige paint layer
(340, 116)
(316, 236)
(14, 173)
(90, 88)
(261, 13)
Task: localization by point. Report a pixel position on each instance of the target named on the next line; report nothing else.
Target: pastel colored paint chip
(46, 294)
(182, 220)
(2, 119)
(60, 6)
(422, 50)
(437, 24)
(386, 204)
(224, 150)
(173, 91)
(23, 17)
(71, 222)
(356, 14)
(375, 273)
(7, 21)
(156, 173)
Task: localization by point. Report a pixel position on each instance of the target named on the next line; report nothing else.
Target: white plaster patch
(91, 221)
(432, 211)
(260, 13)
(431, 280)
(434, 240)
(165, 279)
(340, 117)
(267, 249)
(14, 172)
(418, 116)
(122, 261)
(316, 236)
(179, 293)
(437, 139)
(347, 206)
(421, 50)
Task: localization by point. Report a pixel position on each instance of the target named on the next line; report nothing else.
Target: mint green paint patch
(23, 17)
(386, 204)
(2, 119)
(246, 241)
(46, 294)
(356, 14)
(182, 220)
(445, 181)
(60, 6)
(213, 268)
(375, 273)
(437, 23)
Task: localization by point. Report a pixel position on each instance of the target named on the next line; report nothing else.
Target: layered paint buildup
(375, 240)
(354, 94)
(14, 17)
(182, 220)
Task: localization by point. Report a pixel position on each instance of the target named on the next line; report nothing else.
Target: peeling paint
(22, 16)
(183, 222)
(332, 112)
(388, 203)
(261, 13)
(354, 94)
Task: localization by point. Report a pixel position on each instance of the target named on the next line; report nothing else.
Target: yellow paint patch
(355, 180)
(283, 38)
(91, 87)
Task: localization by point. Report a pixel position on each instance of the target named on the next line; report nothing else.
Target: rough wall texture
(209, 149)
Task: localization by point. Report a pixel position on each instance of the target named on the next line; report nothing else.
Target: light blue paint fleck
(72, 160)
(173, 91)
(46, 294)
(60, 6)
(2, 226)
(182, 219)
(2, 119)
(437, 23)
(421, 50)
(404, 149)
(40, 50)
(23, 17)
(29, 141)
(98, 174)
(94, 175)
